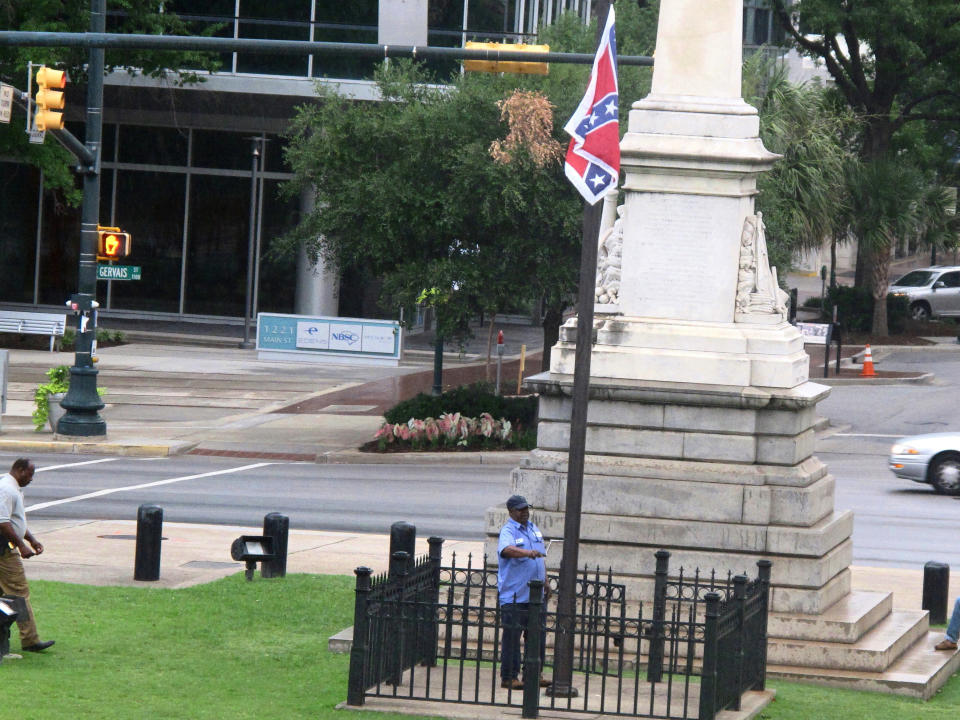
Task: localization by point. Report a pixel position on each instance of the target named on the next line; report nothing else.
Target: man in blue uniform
(521, 554)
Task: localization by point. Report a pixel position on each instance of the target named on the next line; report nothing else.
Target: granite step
(846, 621)
(874, 652)
(919, 672)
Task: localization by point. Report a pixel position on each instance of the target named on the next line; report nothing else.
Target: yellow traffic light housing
(507, 66)
(49, 99)
(112, 243)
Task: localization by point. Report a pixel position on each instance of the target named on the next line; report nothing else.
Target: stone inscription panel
(680, 257)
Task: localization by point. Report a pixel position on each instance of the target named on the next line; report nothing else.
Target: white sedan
(932, 458)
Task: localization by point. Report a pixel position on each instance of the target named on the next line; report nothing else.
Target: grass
(233, 649)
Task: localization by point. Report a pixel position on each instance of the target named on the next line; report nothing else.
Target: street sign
(118, 272)
(6, 102)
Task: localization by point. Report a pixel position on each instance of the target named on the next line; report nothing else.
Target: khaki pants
(13, 581)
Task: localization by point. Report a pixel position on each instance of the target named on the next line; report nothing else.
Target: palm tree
(802, 197)
(885, 194)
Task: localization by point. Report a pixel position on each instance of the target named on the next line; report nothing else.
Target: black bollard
(278, 527)
(936, 590)
(403, 538)
(146, 565)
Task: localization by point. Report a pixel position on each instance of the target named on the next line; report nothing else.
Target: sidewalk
(101, 552)
(166, 397)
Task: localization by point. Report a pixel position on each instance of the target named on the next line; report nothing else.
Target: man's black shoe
(38, 647)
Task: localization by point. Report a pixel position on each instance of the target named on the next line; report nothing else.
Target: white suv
(932, 291)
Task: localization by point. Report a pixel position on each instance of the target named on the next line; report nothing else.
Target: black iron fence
(426, 632)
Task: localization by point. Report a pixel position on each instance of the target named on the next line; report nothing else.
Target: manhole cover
(210, 564)
(122, 537)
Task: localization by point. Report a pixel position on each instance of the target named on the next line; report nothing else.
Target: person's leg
(510, 642)
(953, 629)
(13, 581)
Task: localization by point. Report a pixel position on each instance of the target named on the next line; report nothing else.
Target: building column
(318, 287)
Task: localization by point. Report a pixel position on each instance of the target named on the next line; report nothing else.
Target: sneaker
(514, 684)
(544, 683)
(946, 645)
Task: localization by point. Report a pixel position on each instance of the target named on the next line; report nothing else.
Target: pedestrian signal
(112, 244)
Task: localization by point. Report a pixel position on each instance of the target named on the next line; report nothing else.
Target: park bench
(33, 323)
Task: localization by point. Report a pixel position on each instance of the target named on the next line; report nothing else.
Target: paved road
(898, 523)
(447, 501)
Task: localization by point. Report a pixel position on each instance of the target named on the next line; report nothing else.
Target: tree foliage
(895, 64)
(124, 16)
(802, 197)
(409, 189)
(894, 61)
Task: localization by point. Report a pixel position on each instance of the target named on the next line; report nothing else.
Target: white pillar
(318, 287)
(699, 48)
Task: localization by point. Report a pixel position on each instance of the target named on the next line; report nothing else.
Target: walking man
(520, 554)
(17, 543)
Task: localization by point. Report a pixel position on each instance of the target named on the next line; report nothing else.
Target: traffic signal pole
(82, 402)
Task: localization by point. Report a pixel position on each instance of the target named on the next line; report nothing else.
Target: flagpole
(566, 590)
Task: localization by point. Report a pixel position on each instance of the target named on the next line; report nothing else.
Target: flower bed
(451, 431)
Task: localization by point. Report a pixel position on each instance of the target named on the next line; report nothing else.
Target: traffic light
(112, 244)
(49, 99)
(507, 66)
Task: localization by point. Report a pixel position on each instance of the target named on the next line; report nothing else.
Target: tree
(138, 16)
(408, 189)
(895, 63)
(802, 198)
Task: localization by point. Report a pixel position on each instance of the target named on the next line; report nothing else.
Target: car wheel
(945, 474)
(920, 312)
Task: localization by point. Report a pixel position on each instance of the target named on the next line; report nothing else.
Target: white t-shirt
(11, 505)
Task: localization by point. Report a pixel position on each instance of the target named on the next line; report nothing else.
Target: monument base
(722, 476)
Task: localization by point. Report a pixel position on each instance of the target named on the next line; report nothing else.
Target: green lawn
(233, 649)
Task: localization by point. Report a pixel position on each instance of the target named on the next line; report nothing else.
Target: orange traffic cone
(867, 370)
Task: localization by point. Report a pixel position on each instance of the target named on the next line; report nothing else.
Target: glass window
(950, 279)
(217, 245)
(200, 15)
(157, 230)
(274, 20)
(19, 192)
(153, 145)
(59, 251)
(217, 149)
(917, 278)
(277, 274)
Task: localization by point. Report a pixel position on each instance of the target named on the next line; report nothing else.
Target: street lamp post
(82, 402)
(251, 242)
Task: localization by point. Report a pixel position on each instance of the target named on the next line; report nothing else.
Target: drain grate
(210, 564)
(122, 537)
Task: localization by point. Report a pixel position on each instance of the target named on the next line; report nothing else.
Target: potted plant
(47, 397)
(49, 394)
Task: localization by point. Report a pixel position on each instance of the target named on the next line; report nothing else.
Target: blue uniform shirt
(513, 574)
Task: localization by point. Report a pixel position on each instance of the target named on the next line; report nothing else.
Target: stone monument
(700, 423)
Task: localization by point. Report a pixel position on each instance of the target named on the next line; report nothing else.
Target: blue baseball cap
(517, 502)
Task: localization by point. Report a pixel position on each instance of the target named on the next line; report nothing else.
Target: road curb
(96, 448)
(921, 379)
(355, 457)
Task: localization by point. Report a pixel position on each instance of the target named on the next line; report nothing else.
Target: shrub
(855, 309)
(469, 401)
